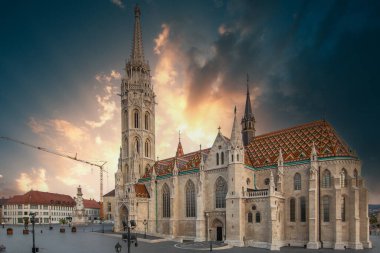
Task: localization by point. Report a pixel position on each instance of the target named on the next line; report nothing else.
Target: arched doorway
(123, 217)
(217, 226)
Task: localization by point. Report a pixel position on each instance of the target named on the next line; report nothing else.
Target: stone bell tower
(137, 114)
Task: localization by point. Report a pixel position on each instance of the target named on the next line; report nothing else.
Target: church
(300, 186)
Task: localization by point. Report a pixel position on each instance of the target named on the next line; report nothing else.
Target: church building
(300, 186)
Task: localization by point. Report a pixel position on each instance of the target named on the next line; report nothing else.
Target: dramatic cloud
(35, 179)
(162, 38)
(36, 126)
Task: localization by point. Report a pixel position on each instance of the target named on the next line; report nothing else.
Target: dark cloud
(311, 61)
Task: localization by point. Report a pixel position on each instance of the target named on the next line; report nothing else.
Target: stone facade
(300, 186)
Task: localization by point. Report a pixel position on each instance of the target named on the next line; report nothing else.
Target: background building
(50, 207)
(92, 209)
(109, 205)
(3, 201)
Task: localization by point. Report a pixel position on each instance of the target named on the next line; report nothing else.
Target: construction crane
(100, 165)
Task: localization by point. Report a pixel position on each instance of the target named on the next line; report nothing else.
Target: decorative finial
(219, 129)
(200, 147)
(247, 83)
(179, 136)
(157, 158)
(235, 109)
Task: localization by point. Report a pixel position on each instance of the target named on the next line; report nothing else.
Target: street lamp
(210, 239)
(117, 247)
(127, 236)
(145, 222)
(33, 220)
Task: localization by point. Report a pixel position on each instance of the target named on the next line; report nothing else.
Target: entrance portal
(219, 233)
(217, 226)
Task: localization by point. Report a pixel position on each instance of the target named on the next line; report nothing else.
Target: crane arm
(100, 166)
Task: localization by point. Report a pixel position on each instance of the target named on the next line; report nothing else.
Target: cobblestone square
(91, 239)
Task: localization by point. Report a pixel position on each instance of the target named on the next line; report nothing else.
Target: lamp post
(33, 220)
(145, 222)
(127, 237)
(210, 239)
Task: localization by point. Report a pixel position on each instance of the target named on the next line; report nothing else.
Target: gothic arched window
(343, 208)
(258, 217)
(303, 209)
(326, 208)
(147, 148)
(356, 176)
(190, 199)
(292, 210)
(136, 118)
(217, 158)
(147, 121)
(326, 179)
(220, 193)
(222, 157)
(250, 217)
(137, 145)
(165, 201)
(297, 181)
(343, 178)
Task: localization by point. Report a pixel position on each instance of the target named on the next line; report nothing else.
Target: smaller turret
(248, 121)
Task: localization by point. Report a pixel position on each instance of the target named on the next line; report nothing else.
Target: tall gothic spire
(137, 54)
(179, 148)
(248, 121)
(248, 107)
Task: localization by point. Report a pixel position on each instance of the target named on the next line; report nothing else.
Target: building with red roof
(49, 207)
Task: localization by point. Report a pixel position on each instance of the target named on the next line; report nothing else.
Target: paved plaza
(90, 239)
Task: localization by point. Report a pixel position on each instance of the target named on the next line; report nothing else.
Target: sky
(61, 64)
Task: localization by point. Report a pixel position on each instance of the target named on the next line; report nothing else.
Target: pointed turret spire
(236, 140)
(248, 121)
(137, 54)
(248, 107)
(313, 155)
(280, 161)
(179, 147)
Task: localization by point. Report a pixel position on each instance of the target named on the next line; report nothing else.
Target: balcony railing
(257, 193)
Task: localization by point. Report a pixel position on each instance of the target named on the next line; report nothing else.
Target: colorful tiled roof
(185, 162)
(296, 144)
(110, 194)
(141, 191)
(42, 198)
(91, 203)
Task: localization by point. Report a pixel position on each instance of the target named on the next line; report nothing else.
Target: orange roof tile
(91, 203)
(42, 198)
(296, 144)
(141, 191)
(185, 162)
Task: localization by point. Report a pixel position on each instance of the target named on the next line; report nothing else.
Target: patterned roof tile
(296, 144)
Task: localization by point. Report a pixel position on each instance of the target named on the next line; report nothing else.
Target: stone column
(364, 220)
(338, 219)
(314, 240)
(273, 236)
(200, 223)
(176, 205)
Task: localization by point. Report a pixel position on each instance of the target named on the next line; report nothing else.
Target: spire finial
(137, 54)
(179, 136)
(235, 110)
(219, 129)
